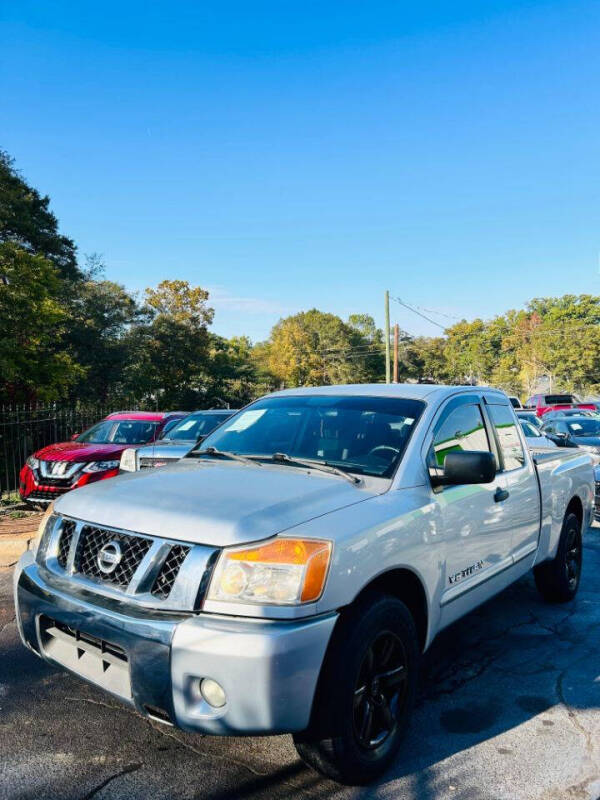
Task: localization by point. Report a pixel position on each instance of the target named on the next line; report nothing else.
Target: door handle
(500, 495)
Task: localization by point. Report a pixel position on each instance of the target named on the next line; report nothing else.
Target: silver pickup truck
(287, 574)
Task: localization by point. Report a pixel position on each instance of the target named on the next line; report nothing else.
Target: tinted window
(558, 399)
(463, 429)
(529, 430)
(366, 435)
(508, 436)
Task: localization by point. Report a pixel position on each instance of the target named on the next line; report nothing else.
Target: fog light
(213, 693)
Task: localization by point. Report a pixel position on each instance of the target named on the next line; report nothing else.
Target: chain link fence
(25, 429)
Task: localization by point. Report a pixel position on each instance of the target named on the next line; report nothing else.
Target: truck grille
(169, 571)
(91, 542)
(139, 569)
(597, 500)
(64, 543)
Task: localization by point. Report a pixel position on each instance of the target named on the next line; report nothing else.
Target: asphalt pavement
(509, 710)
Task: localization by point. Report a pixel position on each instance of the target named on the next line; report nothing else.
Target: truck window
(463, 429)
(508, 436)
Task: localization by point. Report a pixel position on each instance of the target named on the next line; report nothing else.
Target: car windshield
(123, 431)
(529, 430)
(196, 425)
(584, 427)
(366, 435)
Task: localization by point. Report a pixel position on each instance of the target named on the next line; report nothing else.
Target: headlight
(45, 525)
(281, 572)
(100, 466)
(33, 462)
(129, 460)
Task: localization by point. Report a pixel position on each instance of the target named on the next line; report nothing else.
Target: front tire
(558, 580)
(366, 692)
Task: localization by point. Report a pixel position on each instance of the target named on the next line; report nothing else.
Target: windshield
(529, 430)
(195, 426)
(366, 435)
(124, 431)
(584, 427)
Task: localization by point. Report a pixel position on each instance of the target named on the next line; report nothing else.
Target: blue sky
(287, 155)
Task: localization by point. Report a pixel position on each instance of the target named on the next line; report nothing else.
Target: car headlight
(45, 525)
(129, 460)
(33, 462)
(280, 572)
(101, 466)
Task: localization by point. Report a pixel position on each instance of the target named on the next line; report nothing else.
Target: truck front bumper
(155, 663)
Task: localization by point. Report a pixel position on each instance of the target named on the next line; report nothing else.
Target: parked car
(176, 443)
(569, 412)
(535, 438)
(580, 431)
(528, 416)
(90, 456)
(542, 403)
(286, 575)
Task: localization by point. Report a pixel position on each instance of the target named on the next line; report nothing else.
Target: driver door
(476, 531)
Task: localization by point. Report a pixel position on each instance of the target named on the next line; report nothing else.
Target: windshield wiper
(212, 451)
(323, 466)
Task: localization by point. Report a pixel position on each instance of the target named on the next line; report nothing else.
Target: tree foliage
(67, 332)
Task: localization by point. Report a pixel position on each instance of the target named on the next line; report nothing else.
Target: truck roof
(413, 391)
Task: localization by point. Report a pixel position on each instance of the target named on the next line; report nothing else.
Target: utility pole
(396, 334)
(387, 336)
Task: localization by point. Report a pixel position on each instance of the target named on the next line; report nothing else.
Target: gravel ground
(510, 710)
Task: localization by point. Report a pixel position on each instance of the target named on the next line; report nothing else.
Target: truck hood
(80, 451)
(214, 503)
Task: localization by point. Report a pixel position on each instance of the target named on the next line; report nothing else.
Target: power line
(414, 310)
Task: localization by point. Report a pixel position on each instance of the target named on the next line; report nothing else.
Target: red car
(542, 403)
(90, 456)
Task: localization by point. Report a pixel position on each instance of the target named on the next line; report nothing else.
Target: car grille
(42, 494)
(93, 539)
(169, 571)
(64, 543)
(597, 500)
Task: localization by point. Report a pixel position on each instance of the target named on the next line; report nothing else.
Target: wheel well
(406, 586)
(575, 507)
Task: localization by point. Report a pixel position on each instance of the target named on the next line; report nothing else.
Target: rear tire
(558, 580)
(366, 692)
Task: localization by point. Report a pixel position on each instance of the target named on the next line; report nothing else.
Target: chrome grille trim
(186, 590)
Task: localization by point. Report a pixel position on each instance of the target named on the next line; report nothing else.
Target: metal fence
(25, 429)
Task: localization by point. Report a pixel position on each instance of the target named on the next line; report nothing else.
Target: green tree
(170, 355)
(34, 361)
(26, 220)
(314, 347)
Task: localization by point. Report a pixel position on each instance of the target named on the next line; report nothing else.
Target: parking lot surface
(509, 710)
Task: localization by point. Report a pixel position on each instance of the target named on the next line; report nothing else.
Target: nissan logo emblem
(109, 557)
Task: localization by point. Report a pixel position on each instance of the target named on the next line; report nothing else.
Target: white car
(286, 575)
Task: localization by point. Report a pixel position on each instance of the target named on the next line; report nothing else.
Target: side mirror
(467, 466)
(74, 436)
